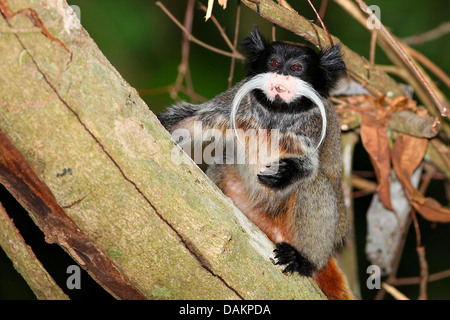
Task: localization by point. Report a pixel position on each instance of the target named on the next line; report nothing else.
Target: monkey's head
(288, 61)
(288, 77)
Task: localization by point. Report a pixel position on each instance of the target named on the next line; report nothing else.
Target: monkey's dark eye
(275, 63)
(296, 67)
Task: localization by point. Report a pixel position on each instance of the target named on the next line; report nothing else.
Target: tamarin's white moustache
(262, 82)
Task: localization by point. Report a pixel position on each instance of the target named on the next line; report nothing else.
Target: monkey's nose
(282, 74)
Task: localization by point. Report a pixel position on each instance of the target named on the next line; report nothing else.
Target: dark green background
(144, 45)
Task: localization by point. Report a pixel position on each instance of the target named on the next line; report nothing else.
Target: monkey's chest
(264, 142)
(279, 227)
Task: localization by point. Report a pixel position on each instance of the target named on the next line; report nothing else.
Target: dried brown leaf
(407, 153)
(375, 140)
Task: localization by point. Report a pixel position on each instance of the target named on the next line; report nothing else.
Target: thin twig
(155, 91)
(395, 70)
(427, 177)
(416, 228)
(232, 46)
(235, 40)
(183, 68)
(363, 193)
(422, 260)
(394, 292)
(423, 273)
(373, 47)
(321, 22)
(237, 55)
(221, 30)
(432, 34)
(429, 65)
(363, 184)
(323, 9)
(416, 280)
(274, 32)
(168, 89)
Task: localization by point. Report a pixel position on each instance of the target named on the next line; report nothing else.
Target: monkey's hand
(285, 254)
(284, 172)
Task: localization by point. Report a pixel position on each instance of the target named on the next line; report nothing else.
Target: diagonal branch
(442, 106)
(388, 42)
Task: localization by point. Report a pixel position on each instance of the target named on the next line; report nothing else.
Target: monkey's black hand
(282, 173)
(285, 254)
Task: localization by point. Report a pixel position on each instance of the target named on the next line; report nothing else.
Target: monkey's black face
(290, 60)
(286, 63)
(292, 68)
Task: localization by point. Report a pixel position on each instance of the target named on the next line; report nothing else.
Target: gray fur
(320, 213)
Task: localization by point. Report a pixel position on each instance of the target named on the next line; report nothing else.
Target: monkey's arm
(174, 115)
(315, 216)
(287, 171)
(299, 151)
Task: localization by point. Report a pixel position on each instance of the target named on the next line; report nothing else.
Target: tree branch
(429, 35)
(424, 87)
(25, 262)
(19, 178)
(131, 190)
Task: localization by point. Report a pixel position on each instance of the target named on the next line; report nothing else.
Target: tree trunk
(95, 170)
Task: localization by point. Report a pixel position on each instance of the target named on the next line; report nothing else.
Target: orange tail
(333, 283)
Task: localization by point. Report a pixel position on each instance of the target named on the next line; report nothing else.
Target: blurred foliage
(144, 45)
